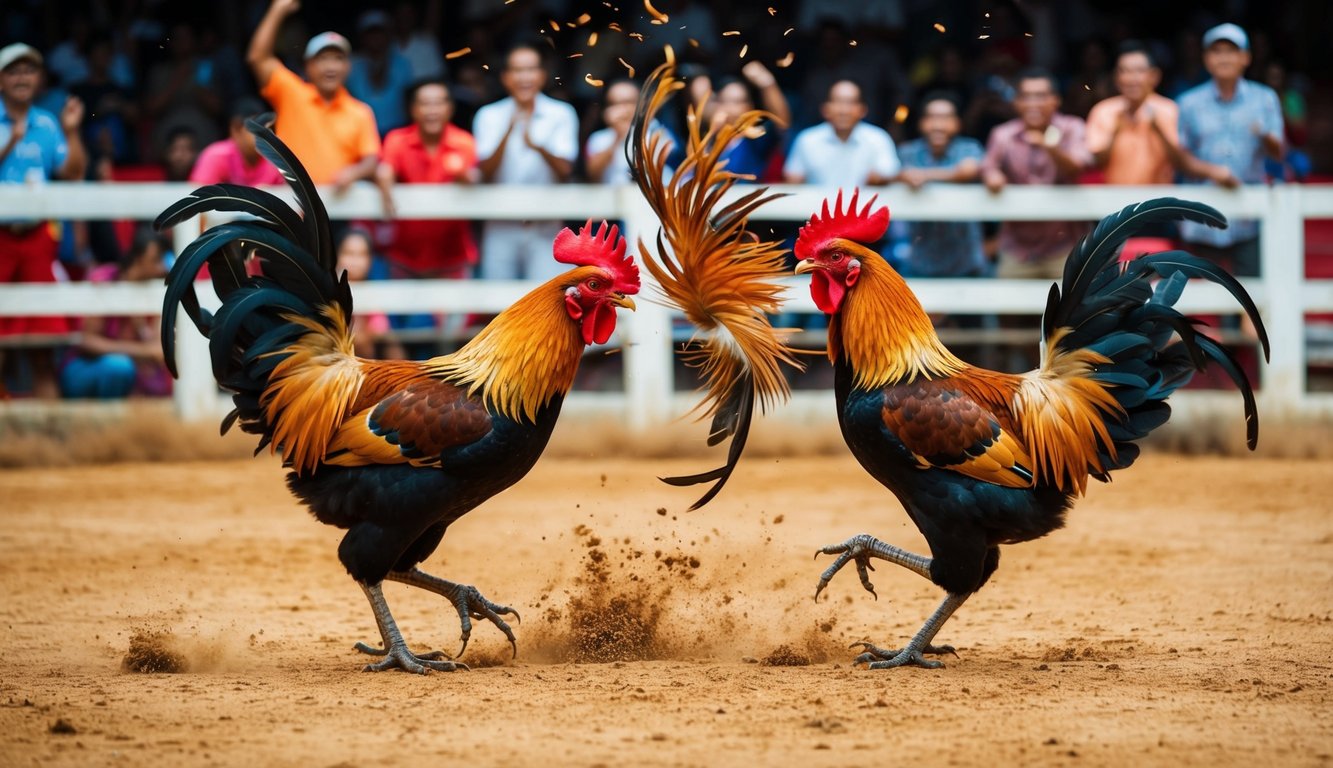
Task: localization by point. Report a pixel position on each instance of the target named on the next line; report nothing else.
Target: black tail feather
(734, 421)
(264, 269)
(1151, 348)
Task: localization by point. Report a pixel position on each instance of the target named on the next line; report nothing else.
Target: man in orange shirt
(1133, 135)
(431, 150)
(332, 133)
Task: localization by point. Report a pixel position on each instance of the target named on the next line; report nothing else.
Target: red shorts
(26, 257)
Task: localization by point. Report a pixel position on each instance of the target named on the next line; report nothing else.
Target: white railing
(1284, 296)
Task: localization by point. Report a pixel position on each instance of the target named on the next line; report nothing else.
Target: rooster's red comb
(601, 249)
(861, 226)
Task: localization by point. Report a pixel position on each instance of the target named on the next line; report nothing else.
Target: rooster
(980, 458)
(391, 452)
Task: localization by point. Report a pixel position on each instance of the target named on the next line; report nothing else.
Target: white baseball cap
(18, 52)
(326, 40)
(1228, 32)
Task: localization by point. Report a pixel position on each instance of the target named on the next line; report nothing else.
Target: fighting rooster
(392, 452)
(722, 276)
(980, 458)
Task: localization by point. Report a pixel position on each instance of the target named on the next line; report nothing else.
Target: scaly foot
(469, 603)
(880, 658)
(371, 650)
(861, 548)
(398, 656)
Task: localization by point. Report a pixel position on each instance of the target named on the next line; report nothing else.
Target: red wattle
(599, 324)
(827, 292)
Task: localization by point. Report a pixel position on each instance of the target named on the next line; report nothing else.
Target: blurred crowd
(861, 92)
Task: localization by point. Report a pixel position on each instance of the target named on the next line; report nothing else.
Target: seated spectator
(431, 150)
(1133, 134)
(380, 75)
(120, 356)
(332, 133)
(371, 334)
(1040, 146)
(843, 151)
(35, 146)
(235, 159)
(942, 248)
(732, 98)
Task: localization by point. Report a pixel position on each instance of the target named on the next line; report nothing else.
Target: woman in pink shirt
(235, 160)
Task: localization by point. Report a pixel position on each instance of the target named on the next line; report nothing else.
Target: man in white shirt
(527, 138)
(843, 151)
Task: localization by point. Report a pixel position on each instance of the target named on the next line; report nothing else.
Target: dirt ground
(1184, 617)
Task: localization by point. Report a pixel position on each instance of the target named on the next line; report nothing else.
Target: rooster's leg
(861, 548)
(879, 658)
(395, 650)
(466, 600)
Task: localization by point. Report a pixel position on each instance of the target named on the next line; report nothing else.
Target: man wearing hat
(35, 147)
(1227, 126)
(332, 133)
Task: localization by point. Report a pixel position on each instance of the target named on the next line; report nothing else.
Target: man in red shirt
(429, 151)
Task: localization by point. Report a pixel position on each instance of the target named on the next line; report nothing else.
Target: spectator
(525, 138)
(371, 334)
(1228, 126)
(837, 54)
(844, 150)
(332, 134)
(183, 91)
(430, 151)
(1133, 135)
(235, 159)
(117, 356)
(415, 40)
(35, 146)
(180, 155)
(942, 248)
(1089, 84)
(380, 75)
(605, 148)
(1040, 146)
(732, 98)
(112, 113)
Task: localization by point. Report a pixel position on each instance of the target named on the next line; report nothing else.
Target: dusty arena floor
(1184, 617)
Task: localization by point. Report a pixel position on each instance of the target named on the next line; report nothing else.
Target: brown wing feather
(954, 423)
(417, 418)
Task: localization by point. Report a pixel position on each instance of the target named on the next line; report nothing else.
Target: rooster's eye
(594, 285)
(837, 256)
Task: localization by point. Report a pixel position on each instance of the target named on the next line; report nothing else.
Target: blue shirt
(386, 100)
(1223, 132)
(944, 248)
(41, 152)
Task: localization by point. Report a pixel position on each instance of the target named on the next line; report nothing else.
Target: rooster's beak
(621, 300)
(806, 265)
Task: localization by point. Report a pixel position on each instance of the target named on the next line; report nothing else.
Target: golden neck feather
(883, 331)
(524, 357)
